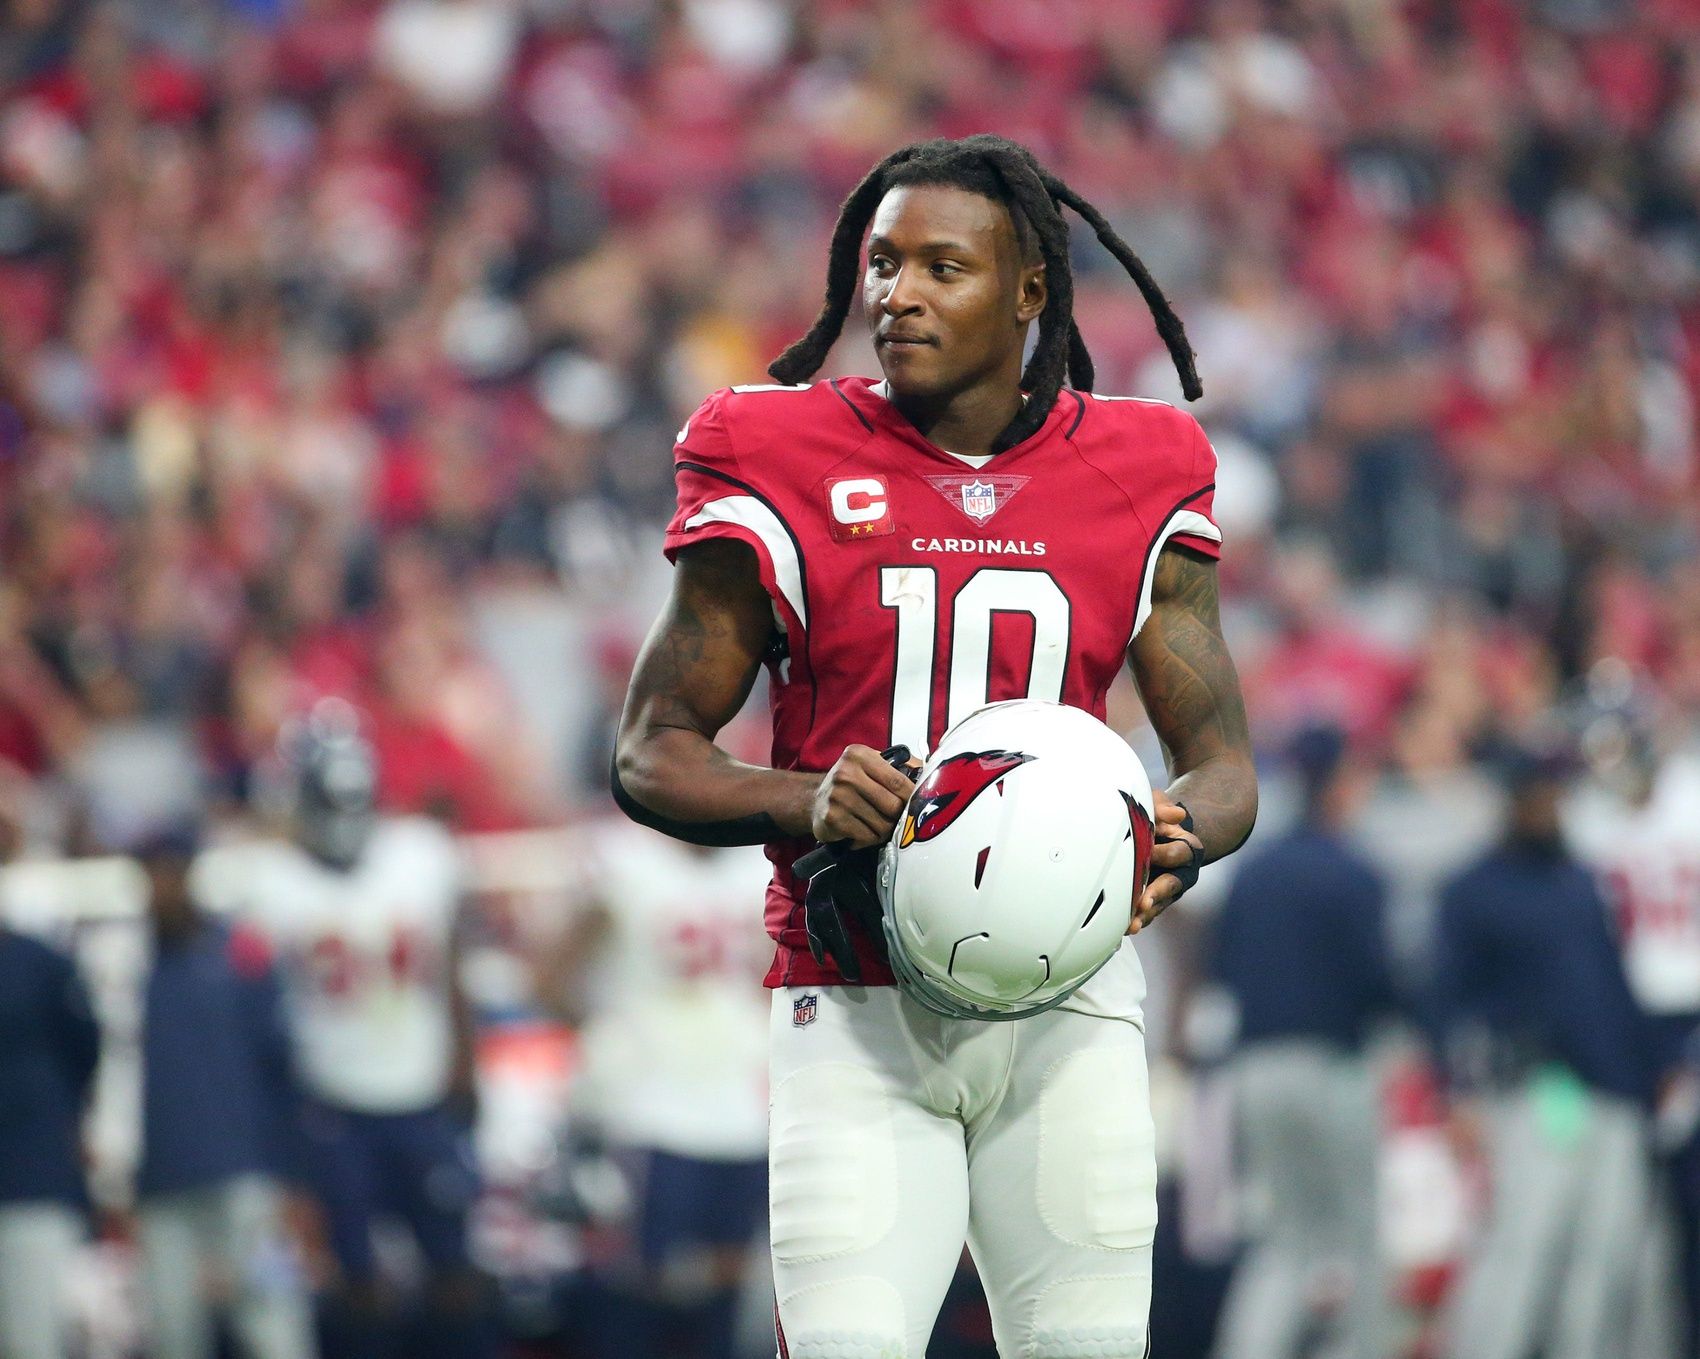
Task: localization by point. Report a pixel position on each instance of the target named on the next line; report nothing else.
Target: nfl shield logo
(979, 500)
(803, 1010)
(978, 497)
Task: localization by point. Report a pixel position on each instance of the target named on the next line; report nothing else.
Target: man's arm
(695, 671)
(463, 1029)
(559, 970)
(1192, 695)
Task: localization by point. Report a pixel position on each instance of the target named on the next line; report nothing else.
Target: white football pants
(38, 1247)
(896, 1134)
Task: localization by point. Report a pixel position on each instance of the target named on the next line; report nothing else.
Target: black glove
(1187, 872)
(842, 888)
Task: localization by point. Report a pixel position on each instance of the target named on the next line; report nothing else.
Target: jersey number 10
(913, 592)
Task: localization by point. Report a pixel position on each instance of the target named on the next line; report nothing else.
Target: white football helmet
(1012, 874)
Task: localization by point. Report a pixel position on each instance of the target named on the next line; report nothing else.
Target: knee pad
(833, 1160)
(1103, 1317)
(858, 1318)
(1097, 1172)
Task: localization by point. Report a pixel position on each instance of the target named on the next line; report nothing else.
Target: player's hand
(859, 799)
(1171, 854)
(306, 1229)
(841, 877)
(1466, 1132)
(1676, 1112)
(115, 1223)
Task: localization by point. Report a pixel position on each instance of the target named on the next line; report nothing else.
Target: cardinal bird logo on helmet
(945, 793)
(1144, 836)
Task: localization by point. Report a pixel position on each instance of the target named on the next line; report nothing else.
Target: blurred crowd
(342, 344)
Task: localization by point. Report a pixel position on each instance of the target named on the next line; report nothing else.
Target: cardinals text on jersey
(914, 586)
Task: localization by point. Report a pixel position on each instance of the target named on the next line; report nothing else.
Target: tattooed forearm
(1192, 695)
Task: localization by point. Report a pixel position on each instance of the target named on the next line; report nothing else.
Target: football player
(217, 1092)
(363, 909)
(663, 969)
(49, 1048)
(898, 553)
(1634, 820)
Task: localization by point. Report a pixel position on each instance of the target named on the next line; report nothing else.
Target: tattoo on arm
(1192, 694)
(703, 655)
(694, 673)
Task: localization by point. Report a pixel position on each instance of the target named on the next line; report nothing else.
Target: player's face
(945, 291)
(1535, 813)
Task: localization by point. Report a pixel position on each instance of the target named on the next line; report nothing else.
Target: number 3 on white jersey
(913, 592)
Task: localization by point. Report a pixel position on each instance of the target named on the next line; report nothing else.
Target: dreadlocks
(1005, 172)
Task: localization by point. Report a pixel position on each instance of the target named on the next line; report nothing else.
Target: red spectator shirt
(914, 587)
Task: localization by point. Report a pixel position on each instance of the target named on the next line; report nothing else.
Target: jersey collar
(867, 398)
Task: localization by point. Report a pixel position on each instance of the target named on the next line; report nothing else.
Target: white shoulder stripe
(1193, 523)
(773, 387)
(748, 512)
(1182, 521)
(1143, 400)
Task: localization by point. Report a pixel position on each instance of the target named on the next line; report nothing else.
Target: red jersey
(914, 586)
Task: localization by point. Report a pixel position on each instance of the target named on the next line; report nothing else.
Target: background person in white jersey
(1637, 822)
(673, 1082)
(363, 911)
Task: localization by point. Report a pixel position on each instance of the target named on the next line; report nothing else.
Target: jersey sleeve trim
(1080, 412)
(839, 393)
(1199, 532)
(1182, 521)
(751, 517)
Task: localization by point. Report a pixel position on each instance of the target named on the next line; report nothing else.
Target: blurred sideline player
(1636, 821)
(674, 1080)
(49, 1047)
(363, 911)
(1300, 946)
(1546, 1058)
(897, 554)
(218, 1104)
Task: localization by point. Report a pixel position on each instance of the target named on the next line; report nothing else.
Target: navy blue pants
(686, 1208)
(418, 1167)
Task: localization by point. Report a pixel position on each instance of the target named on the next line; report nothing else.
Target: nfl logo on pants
(803, 1010)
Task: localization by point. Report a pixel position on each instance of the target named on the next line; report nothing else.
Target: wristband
(1187, 873)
